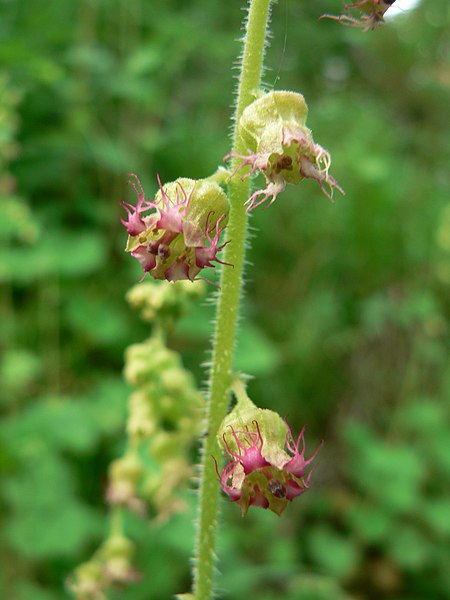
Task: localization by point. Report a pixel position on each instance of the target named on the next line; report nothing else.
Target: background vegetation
(346, 308)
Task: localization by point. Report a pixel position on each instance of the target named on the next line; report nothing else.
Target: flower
(266, 467)
(281, 147)
(180, 235)
(372, 13)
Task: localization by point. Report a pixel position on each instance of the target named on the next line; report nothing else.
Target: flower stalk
(227, 308)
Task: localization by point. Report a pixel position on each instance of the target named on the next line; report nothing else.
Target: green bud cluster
(162, 302)
(163, 421)
(111, 565)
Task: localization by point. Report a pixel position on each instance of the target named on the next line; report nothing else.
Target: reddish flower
(250, 479)
(281, 147)
(300, 158)
(174, 241)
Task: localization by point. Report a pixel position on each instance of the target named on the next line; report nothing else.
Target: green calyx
(262, 122)
(243, 417)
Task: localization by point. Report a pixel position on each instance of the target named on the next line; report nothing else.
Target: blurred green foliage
(346, 312)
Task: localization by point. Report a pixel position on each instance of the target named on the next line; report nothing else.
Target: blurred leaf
(18, 369)
(64, 253)
(255, 353)
(102, 323)
(16, 220)
(336, 554)
(60, 423)
(31, 591)
(371, 523)
(60, 531)
(409, 548)
(390, 473)
(436, 514)
(309, 586)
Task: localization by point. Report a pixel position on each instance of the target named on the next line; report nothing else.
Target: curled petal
(269, 193)
(256, 162)
(135, 223)
(205, 255)
(146, 257)
(233, 493)
(249, 444)
(312, 171)
(173, 210)
(297, 464)
(178, 270)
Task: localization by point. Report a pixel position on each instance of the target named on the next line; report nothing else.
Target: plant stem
(227, 310)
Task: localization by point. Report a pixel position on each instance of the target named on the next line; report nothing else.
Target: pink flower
(300, 158)
(250, 479)
(179, 237)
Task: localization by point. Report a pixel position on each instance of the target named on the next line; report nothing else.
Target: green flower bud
(164, 301)
(116, 555)
(144, 362)
(88, 581)
(124, 475)
(142, 420)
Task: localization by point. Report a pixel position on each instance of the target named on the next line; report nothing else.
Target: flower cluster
(266, 466)
(181, 234)
(371, 14)
(281, 147)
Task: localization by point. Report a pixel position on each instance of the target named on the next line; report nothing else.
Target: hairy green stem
(227, 310)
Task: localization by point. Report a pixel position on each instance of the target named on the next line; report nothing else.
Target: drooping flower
(371, 13)
(265, 467)
(281, 147)
(177, 234)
